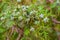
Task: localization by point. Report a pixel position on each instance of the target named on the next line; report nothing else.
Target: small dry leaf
(49, 1)
(55, 21)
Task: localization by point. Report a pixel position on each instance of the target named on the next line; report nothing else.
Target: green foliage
(34, 19)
